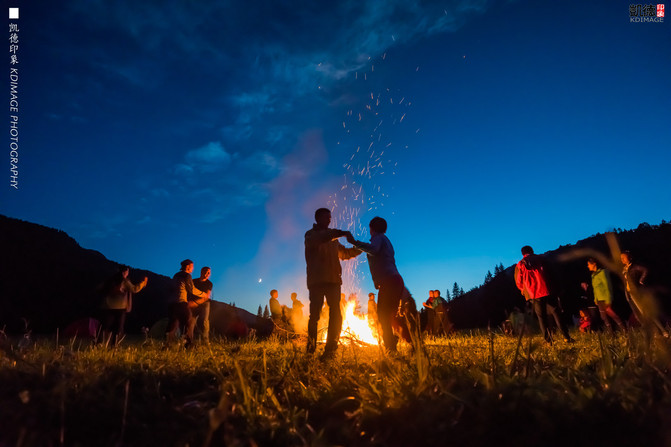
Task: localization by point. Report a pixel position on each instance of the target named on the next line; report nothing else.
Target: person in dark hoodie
(531, 279)
(323, 254)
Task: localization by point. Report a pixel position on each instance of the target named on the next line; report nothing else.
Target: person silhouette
(323, 253)
(530, 278)
(386, 278)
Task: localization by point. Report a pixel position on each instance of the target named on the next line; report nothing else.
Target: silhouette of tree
(259, 313)
(488, 277)
(266, 314)
(456, 292)
(447, 295)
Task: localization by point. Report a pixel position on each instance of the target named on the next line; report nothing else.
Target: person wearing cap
(180, 315)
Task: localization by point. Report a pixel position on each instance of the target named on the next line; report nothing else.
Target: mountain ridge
(50, 280)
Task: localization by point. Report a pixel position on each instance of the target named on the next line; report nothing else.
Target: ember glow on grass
(155, 132)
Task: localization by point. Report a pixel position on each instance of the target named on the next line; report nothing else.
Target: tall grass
(468, 389)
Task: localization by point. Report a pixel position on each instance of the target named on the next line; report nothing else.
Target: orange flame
(356, 327)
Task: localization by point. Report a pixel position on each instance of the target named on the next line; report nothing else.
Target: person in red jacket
(530, 278)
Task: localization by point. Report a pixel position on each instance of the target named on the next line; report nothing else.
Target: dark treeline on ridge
(650, 245)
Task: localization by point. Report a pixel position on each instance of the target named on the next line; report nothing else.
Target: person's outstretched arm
(372, 249)
(313, 238)
(347, 253)
(134, 288)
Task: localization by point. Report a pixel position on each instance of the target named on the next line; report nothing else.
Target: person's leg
(431, 321)
(173, 323)
(539, 305)
(410, 322)
(634, 307)
(205, 321)
(556, 314)
(442, 319)
(183, 318)
(611, 313)
(108, 322)
(121, 323)
(114, 326)
(603, 312)
(316, 297)
(645, 318)
(332, 292)
(388, 301)
(189, 324)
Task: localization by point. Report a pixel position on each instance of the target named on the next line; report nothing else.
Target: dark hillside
(490, 303)
(48, 279)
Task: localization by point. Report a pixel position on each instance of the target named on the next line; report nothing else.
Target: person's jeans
(180, 317)
(606, 311)
(542, 308)
(203, 322)
(389, 297)
(317, 293)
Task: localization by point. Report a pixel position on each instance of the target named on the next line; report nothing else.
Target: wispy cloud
(209, 158)
(266, 68)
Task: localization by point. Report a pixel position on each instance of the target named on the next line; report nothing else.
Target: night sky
(154, 131)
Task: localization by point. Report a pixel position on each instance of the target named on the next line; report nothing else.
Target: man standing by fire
(385, 277)
(323, 253)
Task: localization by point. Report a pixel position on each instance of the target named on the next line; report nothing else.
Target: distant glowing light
(260, 280)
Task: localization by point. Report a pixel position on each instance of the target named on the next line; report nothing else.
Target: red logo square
(660, 10)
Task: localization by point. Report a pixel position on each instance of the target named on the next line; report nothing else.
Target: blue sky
(155, 131)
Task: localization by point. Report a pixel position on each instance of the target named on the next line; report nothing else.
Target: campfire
(356, 329)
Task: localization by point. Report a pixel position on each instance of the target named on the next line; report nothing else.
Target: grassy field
(478, 389)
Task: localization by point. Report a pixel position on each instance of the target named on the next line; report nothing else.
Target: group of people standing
(117, 302)
(531, 279)
(323, 253)
(287, 316)
(191, 305)
(438, 322)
